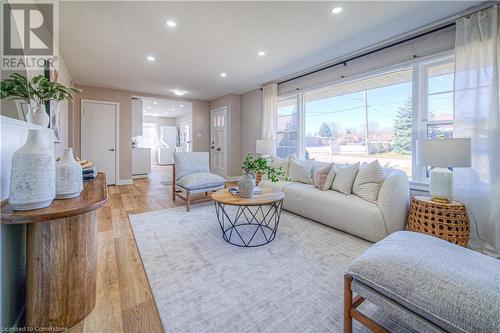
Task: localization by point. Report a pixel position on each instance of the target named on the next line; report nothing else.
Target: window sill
(419, 186)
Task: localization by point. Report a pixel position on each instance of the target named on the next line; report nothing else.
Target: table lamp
(265, 148)
(443, 154)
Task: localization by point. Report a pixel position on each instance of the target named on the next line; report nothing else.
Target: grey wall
(201, 126)
(251, 115)
(441, 41)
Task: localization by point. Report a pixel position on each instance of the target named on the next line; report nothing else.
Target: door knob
(111, 149)
(218, 149)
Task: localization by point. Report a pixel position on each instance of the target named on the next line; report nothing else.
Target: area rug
(201, 283)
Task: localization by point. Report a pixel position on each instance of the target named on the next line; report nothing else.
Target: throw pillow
(344, 178)
(321, 179)
(300, 172)
(277, 162)
(368, 181)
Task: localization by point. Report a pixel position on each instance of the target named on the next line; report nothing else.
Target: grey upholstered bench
(426, 283)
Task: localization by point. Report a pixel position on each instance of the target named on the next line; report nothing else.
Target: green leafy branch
(40, 89)
(261, 165)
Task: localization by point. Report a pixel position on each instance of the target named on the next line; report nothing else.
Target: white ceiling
(106, 44)
(157, 107)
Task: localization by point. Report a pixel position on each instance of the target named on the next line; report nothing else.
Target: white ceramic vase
(246, 185)
(33, 174)
(40, 117)
(69, 179)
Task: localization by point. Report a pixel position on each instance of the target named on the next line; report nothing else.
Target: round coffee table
(249, 222)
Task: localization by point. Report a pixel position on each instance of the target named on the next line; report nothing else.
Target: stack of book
(88, 170)
(89, 174)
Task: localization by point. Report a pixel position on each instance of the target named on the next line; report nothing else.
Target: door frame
(226, 143)
(117, 132)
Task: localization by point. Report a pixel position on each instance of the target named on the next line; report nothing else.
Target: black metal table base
(251, 226)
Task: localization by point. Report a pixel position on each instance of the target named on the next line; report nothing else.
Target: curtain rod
(344, 62)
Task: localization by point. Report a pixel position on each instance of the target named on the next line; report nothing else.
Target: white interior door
(218, 124)
(99, 143)
(185, 136)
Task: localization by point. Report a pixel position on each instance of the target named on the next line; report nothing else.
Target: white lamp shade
(444, 152)
(265, 147)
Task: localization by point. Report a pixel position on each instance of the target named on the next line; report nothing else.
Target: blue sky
(349, 110)
(383, 103)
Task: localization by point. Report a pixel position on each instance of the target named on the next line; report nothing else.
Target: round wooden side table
(61, 257)
(448, 221)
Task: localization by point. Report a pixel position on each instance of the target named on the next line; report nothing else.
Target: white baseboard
(125, 182)
(232, 178)
(141, 176)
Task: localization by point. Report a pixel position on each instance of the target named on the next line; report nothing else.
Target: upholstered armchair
(192, 175)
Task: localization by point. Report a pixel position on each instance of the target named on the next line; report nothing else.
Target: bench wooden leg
(347, 304)
(188, 200)
(351, 312)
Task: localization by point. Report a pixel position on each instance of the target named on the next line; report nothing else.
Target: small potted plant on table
(255, 167)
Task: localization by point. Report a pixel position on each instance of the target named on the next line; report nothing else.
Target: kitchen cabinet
(141, 162)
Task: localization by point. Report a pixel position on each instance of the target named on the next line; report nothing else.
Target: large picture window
(362, 121)
(286, 125)
(379, 116)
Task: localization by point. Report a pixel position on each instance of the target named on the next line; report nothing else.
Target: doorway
(99, 135)
(218, 123)
(185, 136)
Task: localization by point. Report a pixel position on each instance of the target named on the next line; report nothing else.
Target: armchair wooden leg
(188, 200)
(347, 304)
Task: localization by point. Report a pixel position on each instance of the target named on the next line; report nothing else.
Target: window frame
(419, 179)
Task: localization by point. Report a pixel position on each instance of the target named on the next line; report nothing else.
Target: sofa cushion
(300, 171)
(345, 212)
(280, 184)
(200, 180)
(368, 181)
(322, 178)
(455, 288)
(344, 178)
(293, 196)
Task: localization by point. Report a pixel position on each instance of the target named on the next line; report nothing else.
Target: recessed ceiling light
(149, 108)
(155, 102)
(173, 109)
(182, 105)
(336, 10)
(178, 92)
(261, 53)
(151, 58)
(223, 74)
(171, 23)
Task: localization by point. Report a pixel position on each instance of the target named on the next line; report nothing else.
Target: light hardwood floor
(124, 300)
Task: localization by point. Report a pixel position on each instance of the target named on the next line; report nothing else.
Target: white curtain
(477, 115)
(269, 111)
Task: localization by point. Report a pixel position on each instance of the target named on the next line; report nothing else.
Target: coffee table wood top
(268, 196)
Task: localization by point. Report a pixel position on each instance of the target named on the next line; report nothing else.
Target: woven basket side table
(448, 221)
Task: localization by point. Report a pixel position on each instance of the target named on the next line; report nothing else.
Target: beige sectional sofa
(349, 212)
